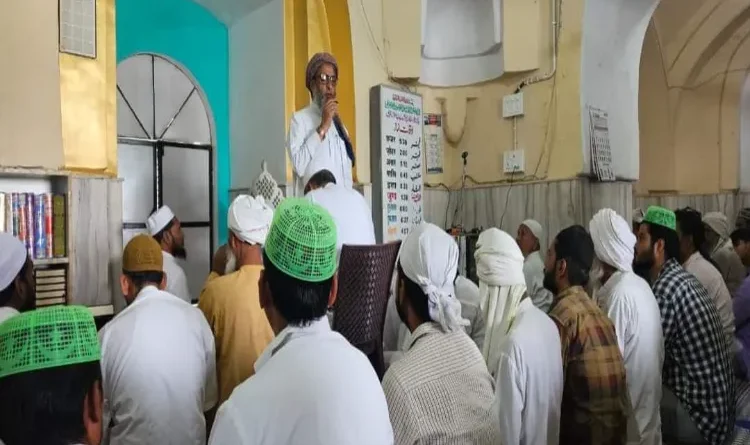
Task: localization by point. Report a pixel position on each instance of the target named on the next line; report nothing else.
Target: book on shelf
(51, 286)
(38, 220)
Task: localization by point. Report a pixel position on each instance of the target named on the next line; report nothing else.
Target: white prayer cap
(13, 255)
(535, 228)
(250, 218)
(429, 258)
(613, 239)
(159, 220)
(718, 222)
(315, 166)
(499, 259)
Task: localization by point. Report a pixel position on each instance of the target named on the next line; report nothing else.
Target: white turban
(613, 239)
(250, 218)
(429, 258)
(13, 255)
(502, 285)
(718, 222)
(499, 259)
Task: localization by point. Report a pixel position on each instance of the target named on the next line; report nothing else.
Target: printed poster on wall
(401, 132)
(433, 141)
(601, 153)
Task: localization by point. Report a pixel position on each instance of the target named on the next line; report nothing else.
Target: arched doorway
(165, 155)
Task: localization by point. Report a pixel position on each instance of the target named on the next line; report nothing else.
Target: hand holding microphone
(330, 110)
(331, 116)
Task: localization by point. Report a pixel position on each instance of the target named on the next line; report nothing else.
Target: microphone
(340, 128)
(465, 155)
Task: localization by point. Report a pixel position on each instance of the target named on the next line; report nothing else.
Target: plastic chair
(364, 276)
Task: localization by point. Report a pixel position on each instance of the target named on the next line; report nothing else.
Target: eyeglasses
(326, 79)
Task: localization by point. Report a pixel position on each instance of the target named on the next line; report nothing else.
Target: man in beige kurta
(230, 299)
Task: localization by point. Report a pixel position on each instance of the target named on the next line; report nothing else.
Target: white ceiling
(229, 11)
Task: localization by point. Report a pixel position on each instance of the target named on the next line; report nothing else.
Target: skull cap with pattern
(660, 217)
(302, 241)
(47, 338)
(142, 254)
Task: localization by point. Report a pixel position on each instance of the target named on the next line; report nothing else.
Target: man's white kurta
(310, 154)
(176, 279)
(528, 393)
(158, 372)
(350, 212)
(311, 387)
(630, 304)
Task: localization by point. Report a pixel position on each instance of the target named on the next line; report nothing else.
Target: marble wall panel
(555, 204)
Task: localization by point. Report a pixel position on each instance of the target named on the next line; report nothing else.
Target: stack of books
(51, 286)
(38, 220)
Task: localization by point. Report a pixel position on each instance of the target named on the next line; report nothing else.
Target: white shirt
(7, 312)
(710, 277)
(629, 302)
(396, 336)
(350, 212)
(529, 388)
(533, 271)
(307, 150)
(158, 372)
(311, 387)
(176, 280)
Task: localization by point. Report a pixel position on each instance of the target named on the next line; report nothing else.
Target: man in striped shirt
(441, 390)
(595, 404)
(698, 385)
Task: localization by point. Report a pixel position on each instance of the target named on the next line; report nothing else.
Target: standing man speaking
(317, 138)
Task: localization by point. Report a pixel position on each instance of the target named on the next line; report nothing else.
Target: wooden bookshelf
(93, 234)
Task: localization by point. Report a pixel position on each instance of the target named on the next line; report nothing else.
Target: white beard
(595, 278)
(231, 265)
(319, 100)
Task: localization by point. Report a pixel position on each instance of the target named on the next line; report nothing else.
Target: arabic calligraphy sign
(397, 123)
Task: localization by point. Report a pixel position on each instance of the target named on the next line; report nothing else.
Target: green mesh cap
(661, 217)
(302, 240)
(48, 338)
